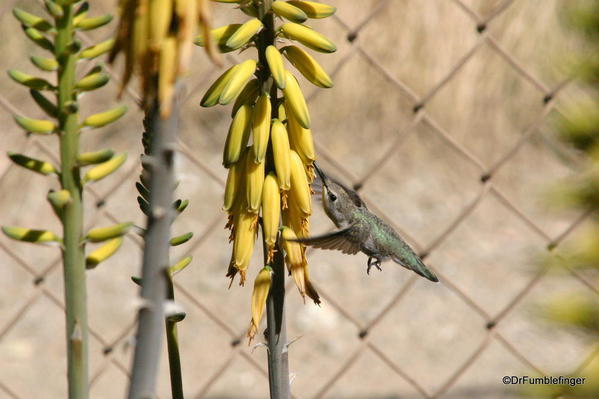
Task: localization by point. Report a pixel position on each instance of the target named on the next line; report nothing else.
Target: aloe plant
(144, 199)
(268, 183)
(156, 40)
(578, 127)
(57, 35)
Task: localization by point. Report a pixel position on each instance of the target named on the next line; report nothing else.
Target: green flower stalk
(58, 36)
(269, 181)
(156, 38)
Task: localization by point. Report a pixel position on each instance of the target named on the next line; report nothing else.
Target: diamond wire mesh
(440, 118)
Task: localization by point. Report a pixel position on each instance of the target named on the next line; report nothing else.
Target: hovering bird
(361, 230)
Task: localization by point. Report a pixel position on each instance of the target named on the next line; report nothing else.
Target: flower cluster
(269, 177)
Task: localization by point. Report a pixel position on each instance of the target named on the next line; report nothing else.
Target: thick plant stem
(72, 218)
(156, 252)
(276, 334)
(172, 342)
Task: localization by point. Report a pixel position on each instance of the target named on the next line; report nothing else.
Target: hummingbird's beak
(323, 177)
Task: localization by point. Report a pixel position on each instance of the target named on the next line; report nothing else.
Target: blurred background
(441, 114)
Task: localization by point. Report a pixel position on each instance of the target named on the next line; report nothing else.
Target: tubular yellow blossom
(156, 37)
(259, 296)
(314, 9)
(281, 154)
(248, 95)
(307, 66)
(30, 235)
(160, 20)
(294, 218)
(297, 264)
(244, 33)
(232, 187)
(219, 35)
(238, 136)
(300, 189)
(282, 113)
(271, 212)
(261, 127)
(102, 253)
(295, 101)
(295, 259)
(286, 10)
(300, 139)
(310, 290)
(235, 197)
(243, 243)
(187, 11)
(137, 57)
(308, 37)
(205, 20)
(255, 179)
(237, 82)
(167, 74)
(275, 63)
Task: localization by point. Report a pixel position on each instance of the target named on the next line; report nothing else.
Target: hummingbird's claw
(372, 261)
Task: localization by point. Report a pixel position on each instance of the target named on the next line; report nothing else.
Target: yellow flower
(259, 296)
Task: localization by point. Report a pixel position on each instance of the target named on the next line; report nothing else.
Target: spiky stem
(156, 252)
(276, 334)
(72, 218)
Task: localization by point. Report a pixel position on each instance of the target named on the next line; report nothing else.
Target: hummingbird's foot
(372, 261)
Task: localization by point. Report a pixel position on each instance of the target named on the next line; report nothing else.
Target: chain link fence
(440, 116)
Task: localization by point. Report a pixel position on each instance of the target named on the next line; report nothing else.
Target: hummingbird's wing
(335, 240)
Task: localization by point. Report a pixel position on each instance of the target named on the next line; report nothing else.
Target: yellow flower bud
(235, 185)
(255, 179)
(239, 133)
(310, 290)
(259, 296)
(295, 219)
(295, 259)
(243, 242)
(300, 139)
(271, 212)
(300, 189)
(261, 127)
(281, 155)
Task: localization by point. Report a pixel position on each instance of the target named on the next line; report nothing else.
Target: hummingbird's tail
(415, 264)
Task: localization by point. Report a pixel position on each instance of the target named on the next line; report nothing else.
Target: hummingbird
(361, 230)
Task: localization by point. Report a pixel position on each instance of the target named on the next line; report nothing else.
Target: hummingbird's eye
(332, 197)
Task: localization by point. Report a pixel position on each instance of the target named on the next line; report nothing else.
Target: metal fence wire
(440, 117)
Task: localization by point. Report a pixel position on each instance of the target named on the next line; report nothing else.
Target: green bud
(182, 239)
